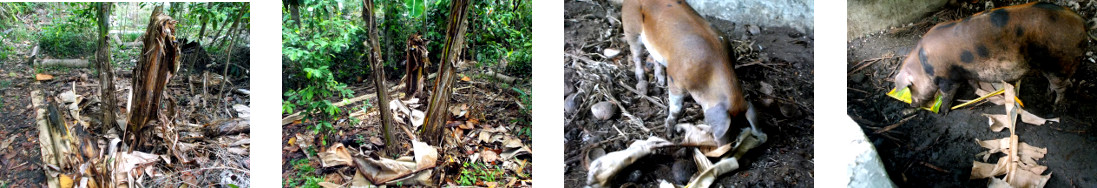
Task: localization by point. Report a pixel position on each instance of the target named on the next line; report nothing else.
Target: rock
(765, 88)
(754, 30)
(683, 170)
(767, 102)
(611, 53)
(603, 110)
(572, 103)
(790, 110)
(596, 153)
(635, 176)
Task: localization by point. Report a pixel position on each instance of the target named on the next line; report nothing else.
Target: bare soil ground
(938, 150)
(777, 59)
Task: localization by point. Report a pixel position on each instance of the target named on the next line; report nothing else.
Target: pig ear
(717, 118)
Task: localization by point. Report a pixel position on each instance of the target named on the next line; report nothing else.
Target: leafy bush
(320, 45)
(72, 35)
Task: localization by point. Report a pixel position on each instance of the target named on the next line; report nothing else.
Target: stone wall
(796, 14)
(867, 16)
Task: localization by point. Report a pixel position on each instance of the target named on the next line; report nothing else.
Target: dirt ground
(939, 149)
(24, 157)
(776, 70)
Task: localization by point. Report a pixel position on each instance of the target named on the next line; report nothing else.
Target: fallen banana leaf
(336, 155)
(43, 77)
(128, 166)
(706, 177)
(604, 168)
(406, 170)
(1000, 121)
(699, 135)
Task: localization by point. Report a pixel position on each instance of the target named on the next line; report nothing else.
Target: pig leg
(948, 91)
(1057, 84)
(752, 118)
(659, 75)
(677, 98)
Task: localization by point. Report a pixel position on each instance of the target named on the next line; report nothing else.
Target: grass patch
(477, 173)
(304, 177)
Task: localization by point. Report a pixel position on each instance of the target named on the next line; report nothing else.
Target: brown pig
(996, 45)
(697, 63)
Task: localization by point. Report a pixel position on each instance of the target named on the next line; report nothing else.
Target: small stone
(596, 153)
(611, 53)
(789, 110)
(572, 103)
(754, 30)
(683, 170)
(765, 88)
(603, 110)
(635, 176)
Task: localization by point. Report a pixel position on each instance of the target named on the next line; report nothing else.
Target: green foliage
(502, 31)
(61, 44)
(71, 34)
(471, 173)
(304, 177)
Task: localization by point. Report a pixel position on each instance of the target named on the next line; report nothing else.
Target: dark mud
(778, 57)
(938, 150)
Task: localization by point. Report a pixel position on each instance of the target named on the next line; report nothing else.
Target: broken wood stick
(71, 63)
(501, 77)
(370, 97)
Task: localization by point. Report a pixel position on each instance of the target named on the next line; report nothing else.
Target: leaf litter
(481, 130)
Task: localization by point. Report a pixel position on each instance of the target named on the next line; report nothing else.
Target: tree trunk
(437, 112)
(106, 73)
(378, 75)
(228, 55)
(240, 13)
(205, 19)
(294, 11)
(154, 70)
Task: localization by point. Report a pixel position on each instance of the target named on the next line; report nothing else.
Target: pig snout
(717, 117)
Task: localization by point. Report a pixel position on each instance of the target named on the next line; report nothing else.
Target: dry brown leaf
(382, 170)
(707, 176)
(359, 180)
(336, 155)
(489, 156)
(464, 125)
(426, 156)
(699, 135)
(43, 77)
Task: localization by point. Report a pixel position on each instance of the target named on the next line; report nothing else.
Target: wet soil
(22, 156)
(938, 150)
(778, 59)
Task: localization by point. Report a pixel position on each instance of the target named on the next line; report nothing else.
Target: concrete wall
(867, 16)
(797, 14)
